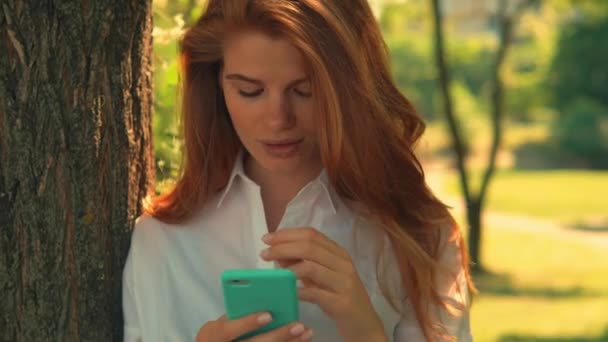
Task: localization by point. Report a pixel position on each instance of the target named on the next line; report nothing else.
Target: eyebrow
(240, 77)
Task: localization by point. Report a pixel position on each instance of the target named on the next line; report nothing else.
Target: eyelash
(256, 93)
(302, 94)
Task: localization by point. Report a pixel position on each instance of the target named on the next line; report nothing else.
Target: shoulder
(149, 238)
(144, 249)
(451, 247)
(452, 274)
(153, 237)
(147, 229)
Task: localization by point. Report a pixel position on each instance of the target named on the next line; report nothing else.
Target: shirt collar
(239, 170)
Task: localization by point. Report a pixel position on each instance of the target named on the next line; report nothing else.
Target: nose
(279, 113)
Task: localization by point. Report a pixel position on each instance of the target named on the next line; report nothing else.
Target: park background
(514, 93)
(542, 268)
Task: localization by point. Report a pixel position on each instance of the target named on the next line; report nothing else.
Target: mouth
(283, 142)
(284, 148)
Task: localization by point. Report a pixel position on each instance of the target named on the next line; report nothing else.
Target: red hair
(367, 130)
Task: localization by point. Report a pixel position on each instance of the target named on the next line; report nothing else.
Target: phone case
(247, 291)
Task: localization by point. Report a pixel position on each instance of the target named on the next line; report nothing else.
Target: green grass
(569, 196)
(545, 288)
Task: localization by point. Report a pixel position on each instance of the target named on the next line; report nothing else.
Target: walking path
(493, 220)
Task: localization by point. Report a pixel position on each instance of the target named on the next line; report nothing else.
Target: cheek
(306, 117)
(241, 115)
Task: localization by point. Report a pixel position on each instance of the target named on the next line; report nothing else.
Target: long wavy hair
(367, 130)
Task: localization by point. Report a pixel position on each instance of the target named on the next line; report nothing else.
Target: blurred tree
(578, 81)
(581, 133)
(76, 160)
(579, 67)
(528, 62)
(408, 35)
(405, 30)
(475, 201)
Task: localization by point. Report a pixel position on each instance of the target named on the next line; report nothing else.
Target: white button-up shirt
(171, 279)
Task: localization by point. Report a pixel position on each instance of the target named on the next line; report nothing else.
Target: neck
(278, 189)
(279, 185)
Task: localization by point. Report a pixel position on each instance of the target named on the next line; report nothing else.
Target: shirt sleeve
(453, 289)
(132, 328)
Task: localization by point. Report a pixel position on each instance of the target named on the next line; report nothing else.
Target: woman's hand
(224, 330)
(330, 280)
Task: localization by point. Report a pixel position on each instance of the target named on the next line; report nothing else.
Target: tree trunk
(444, 84)
(475, 201)
(474, 211)
(76, 159)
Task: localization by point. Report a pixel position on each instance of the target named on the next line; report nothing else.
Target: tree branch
(505, 26)
(444, 81)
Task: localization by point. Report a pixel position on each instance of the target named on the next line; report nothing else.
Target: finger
(307, 234)
(288, 264)
(329, 302)
(319, 275)
(306, 336)
(285, 263)
(306, 250)
(284, 333)
(231, 329)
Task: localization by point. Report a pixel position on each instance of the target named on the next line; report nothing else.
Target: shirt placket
(299, 212)
(258, 226)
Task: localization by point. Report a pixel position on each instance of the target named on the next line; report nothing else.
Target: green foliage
(471, 61)
(579, 67)
(578, 80)
(413, 73)
(582, 131)
(169, 24)
(165, 113)
(406, 30)
(528, 61)
(408, 34)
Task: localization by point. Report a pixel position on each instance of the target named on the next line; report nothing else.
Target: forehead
(260, 55)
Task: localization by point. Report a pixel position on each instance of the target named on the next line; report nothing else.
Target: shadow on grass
(497, 284)
(592, 227)
(530, 338)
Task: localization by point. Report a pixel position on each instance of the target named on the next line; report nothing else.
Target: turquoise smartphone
(247, 291)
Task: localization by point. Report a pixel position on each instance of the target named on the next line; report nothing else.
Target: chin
(282, 162)
(280, 165)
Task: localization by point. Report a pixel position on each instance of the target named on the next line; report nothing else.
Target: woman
(298, 154)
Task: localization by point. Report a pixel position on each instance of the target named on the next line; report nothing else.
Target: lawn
(543, 288)
(568, 196)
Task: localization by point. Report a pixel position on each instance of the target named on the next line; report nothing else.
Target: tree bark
(76, 159)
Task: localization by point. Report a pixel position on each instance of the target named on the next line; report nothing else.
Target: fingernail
(264, 253)
(307, 336)
(266, 238)
(264, 318)
(297, 329)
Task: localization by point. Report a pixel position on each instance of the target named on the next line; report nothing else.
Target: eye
(250, 94)
(302, 93)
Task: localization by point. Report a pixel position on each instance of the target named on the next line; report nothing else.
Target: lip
(282, 142)
(283, 149)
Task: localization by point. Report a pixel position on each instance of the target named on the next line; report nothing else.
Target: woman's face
(268, 94)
